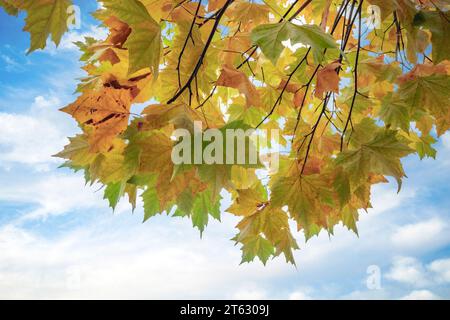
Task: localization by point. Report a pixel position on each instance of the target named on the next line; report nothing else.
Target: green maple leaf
(203, 207)
(150, 198)
(349, 219)
(264, 230)
(85, 47)
(114, 192)
(424, 147)
(277, 231)
(269, 38)
(381, 156)
(432, 92)
(151, 203)
(437, 23)
(44, 19)
(77, 151)
(342, 186)
(395, 113)
(184, 204)
(256, 247)
(144, 42)
(251, 116)
(305, 197)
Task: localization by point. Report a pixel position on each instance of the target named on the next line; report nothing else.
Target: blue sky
(59, 239)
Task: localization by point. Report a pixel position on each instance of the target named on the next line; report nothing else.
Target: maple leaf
(46, 18)
(77, 152)
(328, 79)
(308, 199)
(381, 155)
(380, 69)
(247, 204)
(428, 93)
(106, 112)
(108, 167)
(144, 42)
(249, 13)
(256, 246)
(114, 192)
(204, 206)
(236, 79)
(438, 24)
(264, 230)
(9, 7)
(269, 38)
(151, 203)
(395, 113)
(119, 31)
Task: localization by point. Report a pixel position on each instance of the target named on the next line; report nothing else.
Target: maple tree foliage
(350, 101)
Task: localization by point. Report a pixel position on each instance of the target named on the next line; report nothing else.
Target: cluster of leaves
(350, 101)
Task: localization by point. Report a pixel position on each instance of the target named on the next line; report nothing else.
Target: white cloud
(55, 194)
(381, 294)
(421, 295)
(423, 235)
(117, 257)
(67, 41)
(385, 198)
(299, 295)
(412, 272)
(250, 294)
(32, 138)
(441, 270)
(446, 140)
(145, 261)
(444, 153)
(409, 271)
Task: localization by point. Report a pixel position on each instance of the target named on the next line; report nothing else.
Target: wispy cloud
(423, 235)
(11, 65)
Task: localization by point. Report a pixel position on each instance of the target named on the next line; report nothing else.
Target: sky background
(59, 239)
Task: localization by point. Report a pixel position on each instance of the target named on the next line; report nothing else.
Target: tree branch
(349, 118)
(203, 54)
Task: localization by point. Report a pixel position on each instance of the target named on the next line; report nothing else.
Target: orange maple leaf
(327, 79)
(105, 112)
(233, 78)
